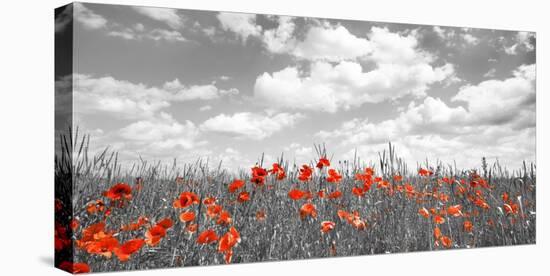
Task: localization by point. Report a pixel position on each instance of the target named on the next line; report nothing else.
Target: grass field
(288, 212)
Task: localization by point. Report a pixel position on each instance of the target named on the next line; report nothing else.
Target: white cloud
(157, 138)
(470, 39)
(501, 101)
(203, 92)
(345, 85)
(440, 32)
(522, 42)
(250, 125)
(280, 39)
(446, 34)
(139, 32)
(129, 100)
(88, 18)
(453, 37)
(323, 42)
(205, 108)
(160, 34)
(524, 38)
(497, 121)
(432, 115)
(209, 31)
(490, 73)
(242, 24)
(229, 92)
(300, 153)
(512, 50)
(332, 44)
(166, 15)
(394, 48)
(161, 132)
(400, 69)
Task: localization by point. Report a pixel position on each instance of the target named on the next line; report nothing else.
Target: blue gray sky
(164, 83)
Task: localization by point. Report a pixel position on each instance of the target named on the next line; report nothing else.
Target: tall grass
(393, 221)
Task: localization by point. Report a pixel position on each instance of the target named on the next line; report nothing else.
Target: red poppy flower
(334, 176)
(437, 233)
(186, 199)
(192, 228)
(229, 240)
(154, 235)
(481, 203)
(61, 240)
(397, 178)
(207, 236)
(321, 193)
(120, 191)
(327, 226)
(228, 256)
(358, 191)
(296, 194)
(505, 197)
(366, 186)
(93, 233)
(410, 190)
(281, 175)
(334, 195)
(104, 246)
(165, 223)
(424, 172)
(511, 208)
(209, 201)
(342, 214)
(136, 225)
(187, 216)
(305, 173)
(214, 210)
(235, 185)
(369, 171)
(128, 248)
(439, 219)
(224, 218)
(454, 210)
(446, 241)
(258, 176)
(323, 162)
(244, 196)
(468, 226)
(383, 184)
(308, 209)
(424, 212)
(74, 268)
(276, 169)
(443, 197)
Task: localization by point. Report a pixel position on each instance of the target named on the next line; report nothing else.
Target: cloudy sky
(164, 83)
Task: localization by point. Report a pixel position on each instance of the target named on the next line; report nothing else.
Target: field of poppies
(156, 216)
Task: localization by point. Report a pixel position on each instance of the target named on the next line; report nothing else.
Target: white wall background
(26, 134)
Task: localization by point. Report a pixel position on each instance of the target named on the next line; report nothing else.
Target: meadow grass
(393, 222)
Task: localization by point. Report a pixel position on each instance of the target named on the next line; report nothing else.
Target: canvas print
(194, 138)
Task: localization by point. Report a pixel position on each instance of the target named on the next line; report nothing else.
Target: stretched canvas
(193, 138)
